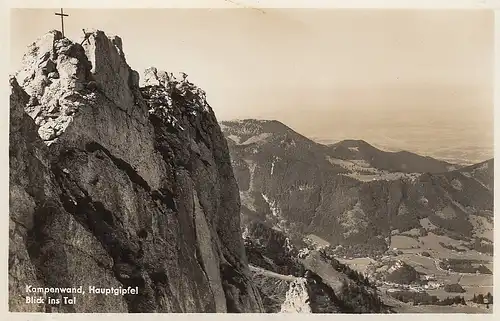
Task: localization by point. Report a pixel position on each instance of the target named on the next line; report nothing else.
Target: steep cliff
(117, 185)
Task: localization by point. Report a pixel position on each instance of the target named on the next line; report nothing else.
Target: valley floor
(408, 308)
(410, 251)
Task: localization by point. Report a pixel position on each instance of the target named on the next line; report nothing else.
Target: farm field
(408, 247)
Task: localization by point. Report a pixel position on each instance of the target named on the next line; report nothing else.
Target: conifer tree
(489, 297)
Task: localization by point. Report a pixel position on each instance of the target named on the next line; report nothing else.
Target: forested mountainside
(351, 193)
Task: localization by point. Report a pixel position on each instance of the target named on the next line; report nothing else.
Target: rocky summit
(117, 184)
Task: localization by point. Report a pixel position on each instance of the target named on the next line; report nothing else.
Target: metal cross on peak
(62, 14)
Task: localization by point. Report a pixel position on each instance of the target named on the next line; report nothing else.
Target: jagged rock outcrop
(297, 298)
(289, 293)
(291, 280)
(116, 185)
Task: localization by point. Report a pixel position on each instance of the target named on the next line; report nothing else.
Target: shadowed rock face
(116, 185)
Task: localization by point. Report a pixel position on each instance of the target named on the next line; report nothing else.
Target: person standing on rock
(86, 37)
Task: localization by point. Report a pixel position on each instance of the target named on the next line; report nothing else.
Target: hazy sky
(327, 73)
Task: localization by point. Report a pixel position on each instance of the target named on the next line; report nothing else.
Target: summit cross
(62, 14)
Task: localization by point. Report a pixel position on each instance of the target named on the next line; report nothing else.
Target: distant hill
(352, 193)
(402, 161)
(482, 172)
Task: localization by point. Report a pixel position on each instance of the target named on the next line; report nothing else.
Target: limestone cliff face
(113, 184)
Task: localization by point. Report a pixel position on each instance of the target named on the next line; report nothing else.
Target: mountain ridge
(350, 192)
(261, 124)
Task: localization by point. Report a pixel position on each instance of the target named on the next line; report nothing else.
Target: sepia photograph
(251, 160)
